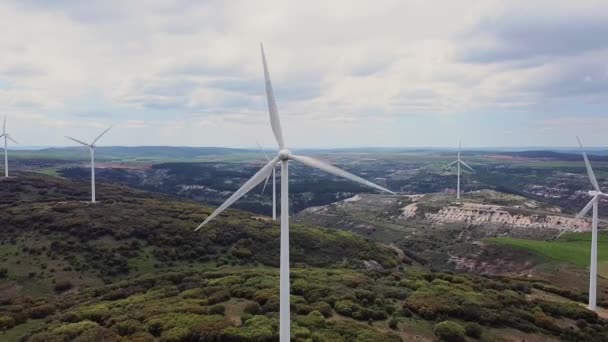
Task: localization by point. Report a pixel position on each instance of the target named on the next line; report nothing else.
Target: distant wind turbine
(6, 137)
(274, 185)
(459, 161)
(91, 147)
(596, 194)
(283, 156)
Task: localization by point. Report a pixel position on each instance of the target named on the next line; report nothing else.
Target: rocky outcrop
(482, 214)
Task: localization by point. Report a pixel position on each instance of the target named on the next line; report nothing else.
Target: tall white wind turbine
(283, 157)
(458, 162)
(595, 194)
(91, 147)
(6, 137)
(274, 186)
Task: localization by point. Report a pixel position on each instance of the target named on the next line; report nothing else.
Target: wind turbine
(274, 185)
(596, 194)
(6, 137)
(91, 147)
(283, 156)
(458, 162)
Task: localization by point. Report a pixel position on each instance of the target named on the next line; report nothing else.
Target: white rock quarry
(480, 214)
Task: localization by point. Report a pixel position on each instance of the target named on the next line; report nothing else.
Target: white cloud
(344, 64)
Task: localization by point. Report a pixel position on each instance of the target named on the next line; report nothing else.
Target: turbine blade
(11, 139)
(78, 141)
(336, 171)
(250, 184)
(4, 126)
(261, 149)
(459, 144)
(467, 166)
(101, 135)
(587, 207)
(450, 164)
(275, 121)
(589, 169)
(266, 183)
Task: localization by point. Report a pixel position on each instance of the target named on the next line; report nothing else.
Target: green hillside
(131, 268)
(573, 248)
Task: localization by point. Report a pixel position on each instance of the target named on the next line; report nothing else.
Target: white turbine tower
(91, 147)
(283, 156)
(6, 137)
(458, 162)
(596, 194)
(274, 185)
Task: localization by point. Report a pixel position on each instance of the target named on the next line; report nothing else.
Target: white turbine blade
(2, 135)
(450, 164)
(261, 149)
(336, 171)
(587, 207)
(78, 141)
(275, 122)
(467, 166)
(4, 126)
(589, 169)
(101, 135)
(266, 182)
(11, 139)
(459, 144)
(250, 184)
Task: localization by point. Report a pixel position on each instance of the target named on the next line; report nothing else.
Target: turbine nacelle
(284, 154)
(594, 193)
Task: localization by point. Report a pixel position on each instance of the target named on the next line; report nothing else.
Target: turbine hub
(594, 193)
(284, 154)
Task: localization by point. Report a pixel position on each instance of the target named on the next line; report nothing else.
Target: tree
(449, 331)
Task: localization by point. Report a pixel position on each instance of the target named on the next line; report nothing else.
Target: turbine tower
(458, 162)
(91, 147)
(283, 157)
(595, 194)
(6, 137)
(274, 185)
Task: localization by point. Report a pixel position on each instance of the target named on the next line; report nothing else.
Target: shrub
(473, 330)
(449, 331)
(252, 308)
(323, 308)
(3, 272)
(313, 320)
(6, 322)
(216, 310)
(257, 328)
(63, 285)
(41, 311)
(393, 323)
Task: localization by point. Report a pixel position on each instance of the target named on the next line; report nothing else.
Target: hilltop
(50, 233)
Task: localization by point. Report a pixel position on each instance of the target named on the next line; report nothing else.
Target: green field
(571, 248)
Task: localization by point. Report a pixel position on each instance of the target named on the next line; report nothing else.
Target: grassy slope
(571, 248)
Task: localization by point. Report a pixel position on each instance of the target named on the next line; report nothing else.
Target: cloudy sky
(346, 73)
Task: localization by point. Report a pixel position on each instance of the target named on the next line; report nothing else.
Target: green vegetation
(130, 268)
(237, 304)
(49, 235)
(571, 248)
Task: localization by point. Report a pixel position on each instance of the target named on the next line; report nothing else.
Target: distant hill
(137, 152)
(552, 155)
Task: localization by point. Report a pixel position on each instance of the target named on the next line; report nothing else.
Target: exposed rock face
(482, 214)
